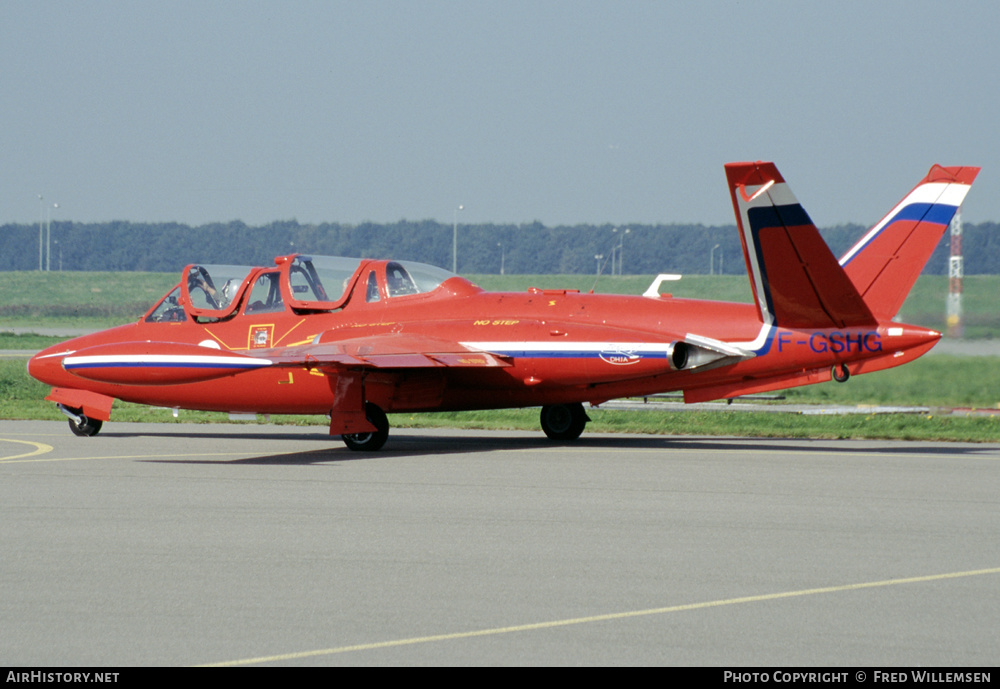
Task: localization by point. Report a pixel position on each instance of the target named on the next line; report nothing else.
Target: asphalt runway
(160, 544)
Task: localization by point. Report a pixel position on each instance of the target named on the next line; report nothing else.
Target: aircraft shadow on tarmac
(406, 446)
(400, 446)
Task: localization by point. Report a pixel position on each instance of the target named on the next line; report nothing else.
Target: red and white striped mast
(955, 272)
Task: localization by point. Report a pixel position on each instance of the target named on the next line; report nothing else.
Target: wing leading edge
(387, 351)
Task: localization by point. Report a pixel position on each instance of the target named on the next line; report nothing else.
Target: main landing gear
(564, 421)
(561, 422)
(369, 442)
(81, 425)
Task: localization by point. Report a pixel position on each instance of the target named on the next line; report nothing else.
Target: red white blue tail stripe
(933, 203)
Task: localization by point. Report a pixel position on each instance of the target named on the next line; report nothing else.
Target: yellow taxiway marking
(16, 460)
(40, 449)
(604, 618)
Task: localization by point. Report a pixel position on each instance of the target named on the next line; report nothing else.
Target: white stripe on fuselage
(662, 349)
(542, 347)
(756, 344)
(163, 360)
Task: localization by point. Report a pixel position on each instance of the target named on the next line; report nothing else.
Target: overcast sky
(562, 112)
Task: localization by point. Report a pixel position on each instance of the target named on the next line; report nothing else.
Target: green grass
(103, 300)
(78, 299)
(715, 288)
(733, 423)
(981, 313)
(937, 380)
(29, 341)
(23, 398)
(99, 300)
(924, 306)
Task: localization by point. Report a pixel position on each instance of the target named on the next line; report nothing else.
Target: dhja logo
(620, 357)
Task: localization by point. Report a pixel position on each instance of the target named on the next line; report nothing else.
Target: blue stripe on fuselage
(579, 354)
(768, 341)
(159, 364)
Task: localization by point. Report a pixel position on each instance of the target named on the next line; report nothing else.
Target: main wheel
(369, 442)
(87, 426)
(564, 421)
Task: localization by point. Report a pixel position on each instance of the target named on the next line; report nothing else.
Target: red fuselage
(547, 347)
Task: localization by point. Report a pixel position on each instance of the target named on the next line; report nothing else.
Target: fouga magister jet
(356, 338)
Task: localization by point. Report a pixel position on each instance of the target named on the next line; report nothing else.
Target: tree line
(530, 248)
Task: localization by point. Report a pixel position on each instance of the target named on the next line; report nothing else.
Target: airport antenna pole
(41, 219)
(454, 239)
(955, 273)
(621, 250)
(48, 236)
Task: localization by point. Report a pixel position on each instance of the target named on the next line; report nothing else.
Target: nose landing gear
(81, 425)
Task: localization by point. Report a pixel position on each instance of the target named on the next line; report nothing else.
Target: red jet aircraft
(357, 338)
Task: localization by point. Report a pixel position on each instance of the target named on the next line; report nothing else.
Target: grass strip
(21, 397)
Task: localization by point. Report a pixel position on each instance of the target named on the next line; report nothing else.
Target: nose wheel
(81, 425)
(564, 421)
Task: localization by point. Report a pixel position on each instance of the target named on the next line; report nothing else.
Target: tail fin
(885, 263)
(796, 280)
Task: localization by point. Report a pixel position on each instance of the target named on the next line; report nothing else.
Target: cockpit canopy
(213, 289)
(319, 282)
(326, 282)
(303, 283)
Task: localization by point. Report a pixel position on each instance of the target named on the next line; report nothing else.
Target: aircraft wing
(393, 350)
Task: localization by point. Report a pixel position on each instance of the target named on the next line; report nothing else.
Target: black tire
(841, 373)
(369, 442)
(87, 426)
(564, 421)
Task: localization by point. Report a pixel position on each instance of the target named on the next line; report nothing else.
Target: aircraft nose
(46, 366)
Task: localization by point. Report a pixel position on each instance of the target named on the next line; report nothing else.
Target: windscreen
(320, 282)
(426, 278)
(212, 290)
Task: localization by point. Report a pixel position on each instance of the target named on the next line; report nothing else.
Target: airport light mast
(955, 271)
(454, 239)
(41, 218)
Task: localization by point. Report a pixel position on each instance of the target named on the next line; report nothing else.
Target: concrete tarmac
(159, 544)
